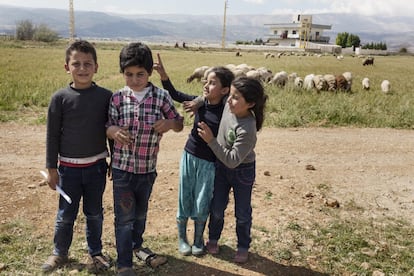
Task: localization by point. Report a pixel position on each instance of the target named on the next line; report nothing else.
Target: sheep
(308, 83)
(341, 83)
(265, 74)
(320, 83)
(279, 79)
(292, 76)
(368, 61)
(253, 74)
(238, 72)
(244, 67)
(365, 83)
(331, 82)
(198, 73)
(385, 86)
(348, 77)
(298, 82)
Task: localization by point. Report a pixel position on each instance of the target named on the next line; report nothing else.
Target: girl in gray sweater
(234, 146)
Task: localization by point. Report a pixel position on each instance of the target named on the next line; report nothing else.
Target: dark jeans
(241, 179)
(87, 183)
(131, 196)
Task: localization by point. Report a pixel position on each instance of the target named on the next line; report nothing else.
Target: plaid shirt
(125, 111)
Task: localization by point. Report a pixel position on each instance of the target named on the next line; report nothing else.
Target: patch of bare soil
(299, 172)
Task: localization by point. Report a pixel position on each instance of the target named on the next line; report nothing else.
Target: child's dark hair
(136, 54)
(253, 92)
(81, 46)
(224, 74)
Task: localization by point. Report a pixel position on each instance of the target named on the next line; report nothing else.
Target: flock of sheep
(327, 82)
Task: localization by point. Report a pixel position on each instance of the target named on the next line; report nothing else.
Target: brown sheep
(368, 61)
(341, 83)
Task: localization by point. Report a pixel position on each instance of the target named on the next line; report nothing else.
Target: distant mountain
(396, 32)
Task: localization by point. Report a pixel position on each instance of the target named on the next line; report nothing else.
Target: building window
(294, 32)
(275, 32)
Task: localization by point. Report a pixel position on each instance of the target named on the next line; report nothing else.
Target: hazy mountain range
(396, 32)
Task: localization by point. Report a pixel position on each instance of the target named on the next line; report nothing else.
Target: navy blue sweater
(76, 123)
(208, 113)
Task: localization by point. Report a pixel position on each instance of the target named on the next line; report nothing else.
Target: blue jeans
(131, 196)
(195, 188)
(241, 179)
(87, 183)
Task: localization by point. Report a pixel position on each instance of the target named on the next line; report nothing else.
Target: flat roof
(298, 25)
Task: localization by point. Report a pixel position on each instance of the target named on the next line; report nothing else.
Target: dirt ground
(299, 170)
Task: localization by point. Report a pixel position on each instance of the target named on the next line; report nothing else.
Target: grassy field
(30, 73)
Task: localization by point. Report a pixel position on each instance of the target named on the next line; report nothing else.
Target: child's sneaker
(54, 262)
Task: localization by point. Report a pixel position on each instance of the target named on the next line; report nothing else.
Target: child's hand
(52, 178)
(162, 125)
(159, 67)
(120, 135)
(190, 107)
(205, 132)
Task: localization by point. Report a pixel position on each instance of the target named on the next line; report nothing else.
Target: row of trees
(375, 46)
(26, 30)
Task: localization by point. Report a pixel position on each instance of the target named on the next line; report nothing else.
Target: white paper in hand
(58, 189)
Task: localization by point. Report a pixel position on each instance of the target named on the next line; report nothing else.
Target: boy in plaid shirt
(138, 115)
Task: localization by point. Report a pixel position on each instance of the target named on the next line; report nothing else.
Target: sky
(216, 7)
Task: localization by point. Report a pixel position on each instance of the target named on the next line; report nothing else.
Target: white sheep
(331, 82)
(198, 73)
(265, 74)
(385, 86)
(348, 77)
(292, 76)
(253, 74)
(365, 83)
(237, 72)
(298, 82)
(244, 67)
(308, 83)
(279, 79)
(320, 83)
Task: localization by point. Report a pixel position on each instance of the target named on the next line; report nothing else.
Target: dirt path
(374, 168)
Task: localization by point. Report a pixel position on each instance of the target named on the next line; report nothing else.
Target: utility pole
(223, 38)
(71, 22)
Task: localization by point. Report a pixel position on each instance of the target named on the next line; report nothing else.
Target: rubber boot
(198, 247)
(183, 246)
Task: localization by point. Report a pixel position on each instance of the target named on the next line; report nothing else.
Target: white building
(300, 33)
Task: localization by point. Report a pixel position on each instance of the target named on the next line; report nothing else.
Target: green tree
(45, 34)
(353, 41)
(24, 30)
(341, 39)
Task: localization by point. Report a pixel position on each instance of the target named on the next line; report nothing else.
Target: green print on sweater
(231, 136)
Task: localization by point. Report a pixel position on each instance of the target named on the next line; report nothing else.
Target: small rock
(378, 273)
(332, 203)
(310, 168)
(266, 173)
(365, 266)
